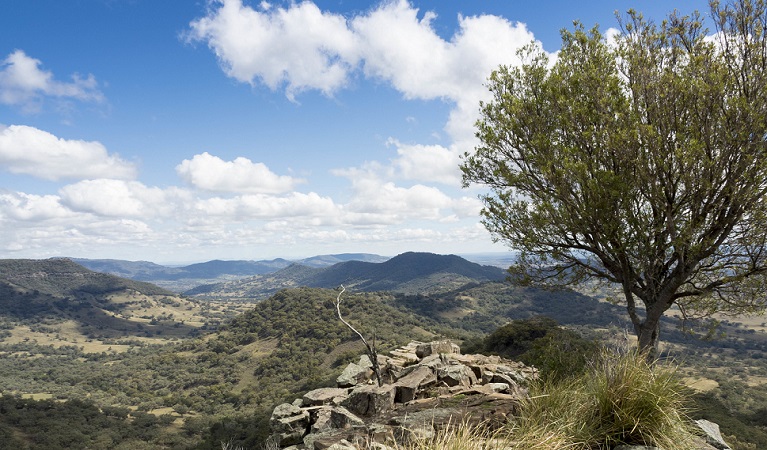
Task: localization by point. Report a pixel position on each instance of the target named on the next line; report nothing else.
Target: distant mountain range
(406, 273)
(182, 278)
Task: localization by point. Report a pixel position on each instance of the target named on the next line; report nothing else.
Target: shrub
(560, 354)
(621, 399)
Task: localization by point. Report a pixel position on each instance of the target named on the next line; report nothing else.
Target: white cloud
(300, 47)
(28, 150)
(247, 207)
(31, 208)
(379, 201)
(23, 83)
(119, 198)
(211, 173)
(427, 163)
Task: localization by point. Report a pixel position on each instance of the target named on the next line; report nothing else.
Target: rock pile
(427, 387)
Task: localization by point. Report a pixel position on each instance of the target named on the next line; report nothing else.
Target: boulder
(407, 387)
(712, 435)
(324, 396)
(370, 400)
(289, 424)
(436, 347)
(353, 375)
(457, 375)
(340, 417)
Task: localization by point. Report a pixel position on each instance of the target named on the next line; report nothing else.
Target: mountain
(64, 277)
(329, 260)
(183, 278)
(408, 273)
(147, 271)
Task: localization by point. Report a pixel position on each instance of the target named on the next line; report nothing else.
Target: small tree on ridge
(641, 163)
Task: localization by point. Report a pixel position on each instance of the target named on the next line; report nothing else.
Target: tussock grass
(621, 399)
(462, 437)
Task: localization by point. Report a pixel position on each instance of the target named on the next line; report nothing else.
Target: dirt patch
(700, 384)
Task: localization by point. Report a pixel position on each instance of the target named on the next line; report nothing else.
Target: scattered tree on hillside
(371, 351)
(640, 162)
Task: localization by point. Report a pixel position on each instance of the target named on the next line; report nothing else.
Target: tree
(639, 161)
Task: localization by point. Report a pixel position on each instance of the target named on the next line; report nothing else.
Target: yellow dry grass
(700, 384)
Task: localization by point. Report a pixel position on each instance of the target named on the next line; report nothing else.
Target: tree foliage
(640, 161)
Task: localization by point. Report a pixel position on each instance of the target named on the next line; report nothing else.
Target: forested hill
(407, 273)
(62, 277)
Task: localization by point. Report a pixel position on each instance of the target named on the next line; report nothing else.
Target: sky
(193, 130)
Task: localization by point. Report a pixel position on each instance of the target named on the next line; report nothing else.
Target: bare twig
(371, 349)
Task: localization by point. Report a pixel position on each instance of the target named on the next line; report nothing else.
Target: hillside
(63, 277)
(219, 383)
(57, 302)
(92, 336)
(406, 273)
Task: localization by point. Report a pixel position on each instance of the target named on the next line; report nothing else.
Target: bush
(621, 399)
(557, 352)
(560, 354)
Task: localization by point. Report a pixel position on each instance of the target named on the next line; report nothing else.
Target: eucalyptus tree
(639, 160)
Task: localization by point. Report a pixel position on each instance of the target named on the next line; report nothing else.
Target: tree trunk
(649, 334)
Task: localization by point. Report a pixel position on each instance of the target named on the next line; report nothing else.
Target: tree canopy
(638, 159)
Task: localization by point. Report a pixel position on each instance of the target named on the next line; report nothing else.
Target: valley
(198, 370)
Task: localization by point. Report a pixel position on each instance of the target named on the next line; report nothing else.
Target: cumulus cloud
(300, 47)
(244, 207)
(426, 163)
(28, 150)
(31, 208)
(212, 173)
(118, 198)
(23, 83)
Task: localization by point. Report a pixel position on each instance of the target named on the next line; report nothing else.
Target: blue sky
(180, 131)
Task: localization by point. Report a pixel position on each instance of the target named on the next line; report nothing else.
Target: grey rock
(407, 387)
(324, 396)
(457, 375)
(341, 417)
(289, 424)
(370, 400)
(713, 436)
(436, 347)
(353, 375)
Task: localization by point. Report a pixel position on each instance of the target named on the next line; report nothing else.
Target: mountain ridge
(410, 272)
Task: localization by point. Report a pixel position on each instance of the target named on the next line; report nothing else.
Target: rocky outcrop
(428, 386)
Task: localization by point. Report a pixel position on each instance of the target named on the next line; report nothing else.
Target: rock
(332, 443)
(289, 424)
(436, 347)
(340, 417)
(343, 445)
(370, 400)
(497, 387)
(320, 421)
(408, 386)
(502, 378)
(324, 396)
(457, 375)
(353, 375)
(712, 435)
